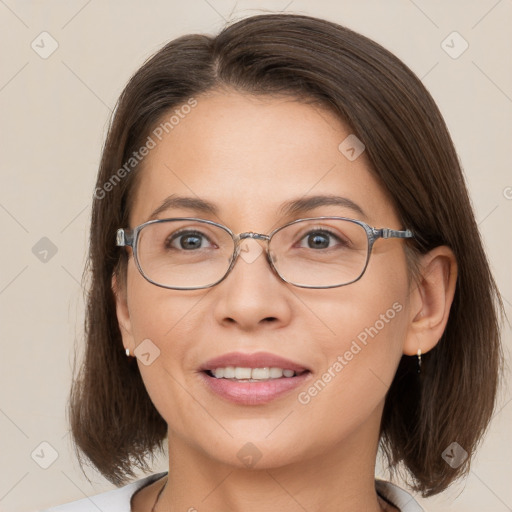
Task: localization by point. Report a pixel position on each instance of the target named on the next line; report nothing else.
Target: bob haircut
(113, 421)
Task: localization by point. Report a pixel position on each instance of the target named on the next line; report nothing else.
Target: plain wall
(54, 114)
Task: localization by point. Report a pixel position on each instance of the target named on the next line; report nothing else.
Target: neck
(340, 479)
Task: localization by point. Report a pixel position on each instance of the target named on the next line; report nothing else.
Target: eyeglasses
(187, 253)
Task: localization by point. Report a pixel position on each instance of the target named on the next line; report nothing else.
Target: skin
(248, 155)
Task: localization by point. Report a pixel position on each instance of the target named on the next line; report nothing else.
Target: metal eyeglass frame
(128, 237)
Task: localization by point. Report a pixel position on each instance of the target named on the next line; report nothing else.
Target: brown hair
(113, 420)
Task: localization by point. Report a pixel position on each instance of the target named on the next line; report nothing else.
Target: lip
(253, 393)
(256, 360)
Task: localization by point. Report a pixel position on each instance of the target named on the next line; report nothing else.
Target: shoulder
(117, 500)
(397, 496)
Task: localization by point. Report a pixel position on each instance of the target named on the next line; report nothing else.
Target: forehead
(249, 155)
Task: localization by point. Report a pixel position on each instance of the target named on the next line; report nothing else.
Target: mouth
(252, 379)
(241, 374)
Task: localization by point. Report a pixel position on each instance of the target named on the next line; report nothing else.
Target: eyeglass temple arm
(124, 237)
(392, 233)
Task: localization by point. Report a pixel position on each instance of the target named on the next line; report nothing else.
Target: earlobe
(431, 300)
(123, 314)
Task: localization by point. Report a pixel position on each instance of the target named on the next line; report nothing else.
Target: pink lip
(253, 393)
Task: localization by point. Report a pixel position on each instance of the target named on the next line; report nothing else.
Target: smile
(252, 379)
(252, 374)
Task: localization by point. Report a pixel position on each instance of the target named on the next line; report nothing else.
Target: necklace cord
(158, 496)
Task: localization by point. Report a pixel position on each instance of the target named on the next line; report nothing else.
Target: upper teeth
(236, 372)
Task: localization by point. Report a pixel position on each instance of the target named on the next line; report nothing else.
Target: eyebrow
(189, 203)
(292, 207)
(305, 204)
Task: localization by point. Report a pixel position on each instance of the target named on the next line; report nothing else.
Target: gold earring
(419, 360)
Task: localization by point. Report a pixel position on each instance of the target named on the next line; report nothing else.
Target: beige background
(54, 113)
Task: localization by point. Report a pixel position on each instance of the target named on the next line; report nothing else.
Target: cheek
(163, 325)
(162, 315)
(368, 324)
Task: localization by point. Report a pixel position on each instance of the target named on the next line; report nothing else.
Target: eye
(187, 240)
(321, 239)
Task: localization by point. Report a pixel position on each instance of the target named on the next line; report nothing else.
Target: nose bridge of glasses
(251, 236)
(254, 236)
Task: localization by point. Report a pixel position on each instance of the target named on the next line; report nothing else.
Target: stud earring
(128, 352)
(419, 360)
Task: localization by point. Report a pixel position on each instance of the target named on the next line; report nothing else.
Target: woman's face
(248, 156)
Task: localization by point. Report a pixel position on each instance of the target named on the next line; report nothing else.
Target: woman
(286, 275)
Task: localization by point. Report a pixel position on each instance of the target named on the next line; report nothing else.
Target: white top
(118, 500)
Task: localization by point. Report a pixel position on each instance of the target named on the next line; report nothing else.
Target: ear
(123, 314)
(430, 300)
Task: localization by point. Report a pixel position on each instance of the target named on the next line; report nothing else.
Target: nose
(252, 295)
